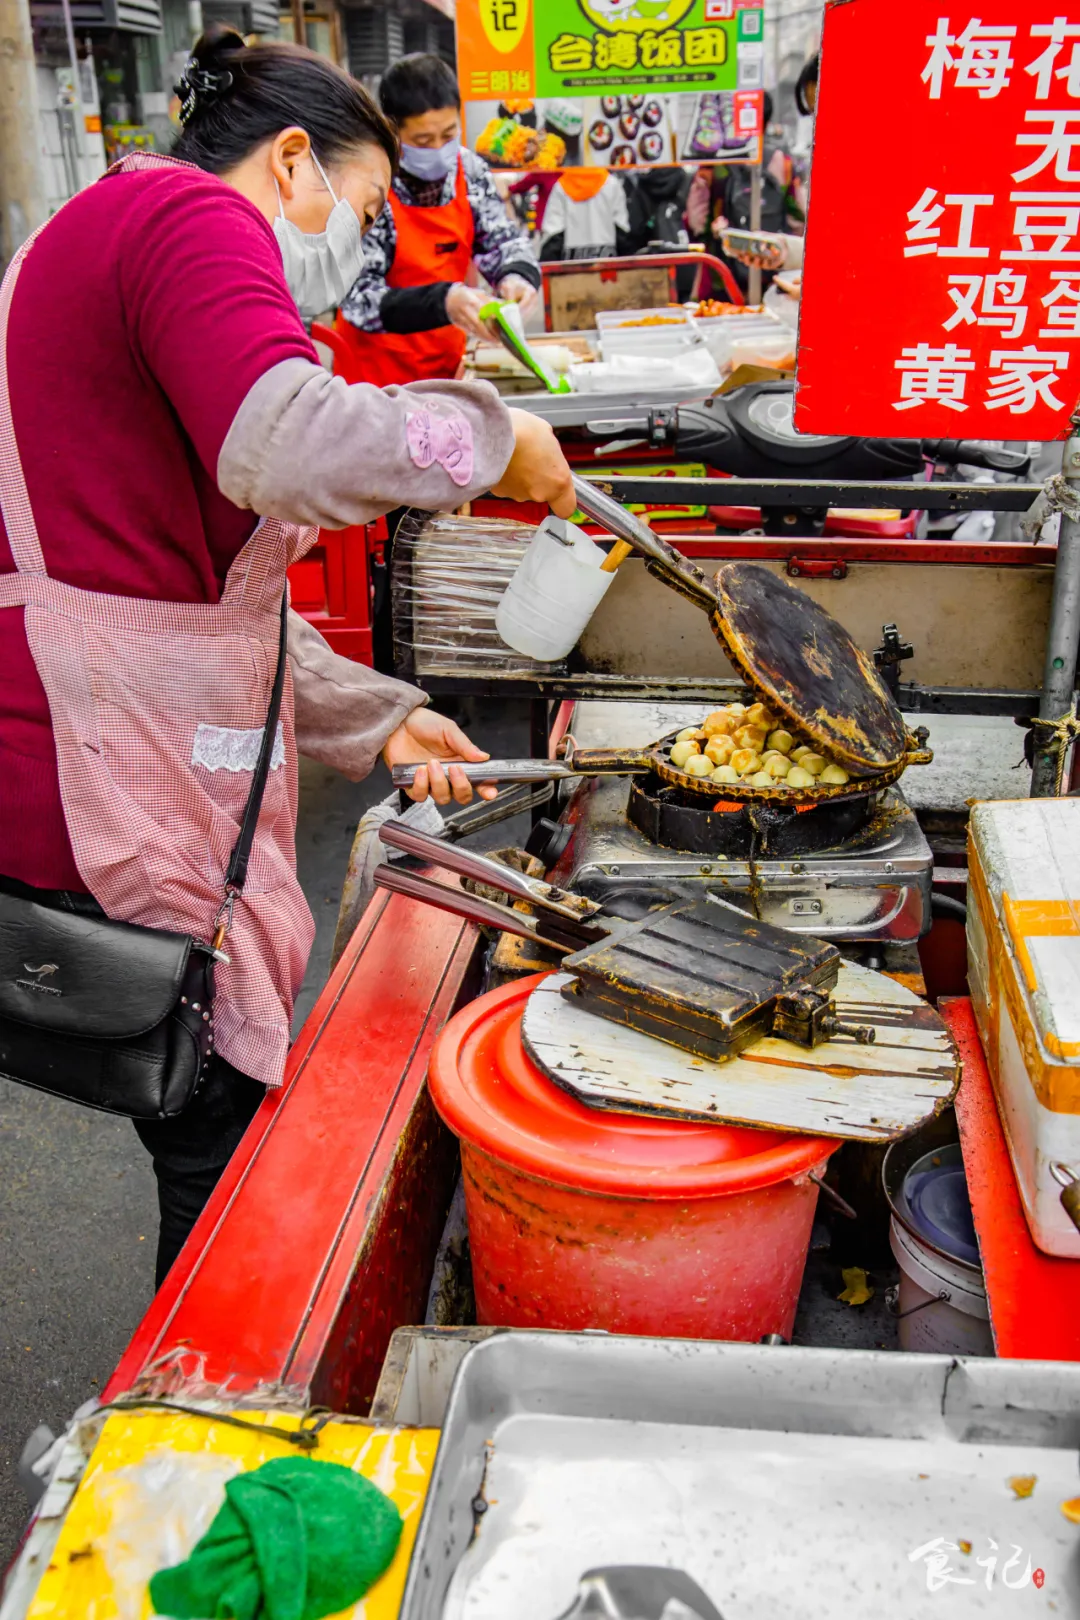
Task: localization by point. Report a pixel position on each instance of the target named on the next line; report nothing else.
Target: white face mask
(320, 269)
(430, 162)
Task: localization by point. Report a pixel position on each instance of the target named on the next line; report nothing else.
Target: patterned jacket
(500, 248)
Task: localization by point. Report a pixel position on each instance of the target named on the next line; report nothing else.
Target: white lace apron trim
(223, 748)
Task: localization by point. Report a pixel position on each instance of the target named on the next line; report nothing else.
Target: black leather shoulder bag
(109, 1014)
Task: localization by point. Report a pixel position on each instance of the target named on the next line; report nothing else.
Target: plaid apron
(157, 712)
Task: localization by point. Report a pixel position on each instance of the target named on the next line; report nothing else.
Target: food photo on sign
(610, 83)
(965, 323)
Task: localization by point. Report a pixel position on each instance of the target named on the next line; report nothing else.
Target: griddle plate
(806, 666)
(699, 973)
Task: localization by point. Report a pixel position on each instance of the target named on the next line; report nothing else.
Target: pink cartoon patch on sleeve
(447, 440)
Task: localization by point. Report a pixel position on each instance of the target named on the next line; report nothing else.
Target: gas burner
(859, 870)
(679, 820)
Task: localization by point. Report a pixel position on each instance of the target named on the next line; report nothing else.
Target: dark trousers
(192, 1149)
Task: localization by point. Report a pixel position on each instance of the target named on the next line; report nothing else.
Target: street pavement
(78, 1205)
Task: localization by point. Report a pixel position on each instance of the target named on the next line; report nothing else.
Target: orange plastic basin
(582, 1218)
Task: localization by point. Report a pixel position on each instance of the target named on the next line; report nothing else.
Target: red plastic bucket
(582, 1218)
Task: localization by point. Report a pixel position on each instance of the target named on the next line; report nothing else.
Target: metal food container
(817, 1483)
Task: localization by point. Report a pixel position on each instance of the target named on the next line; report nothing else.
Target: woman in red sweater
(168, 441)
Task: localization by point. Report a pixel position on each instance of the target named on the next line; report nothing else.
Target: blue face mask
(430, 162)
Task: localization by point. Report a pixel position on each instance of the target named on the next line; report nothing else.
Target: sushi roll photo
(601, 135)
(611, 106)
(651, 146)
(629, 126)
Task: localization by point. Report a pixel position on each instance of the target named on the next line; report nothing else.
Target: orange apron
(433, 244)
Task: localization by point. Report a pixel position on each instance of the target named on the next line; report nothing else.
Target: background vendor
(785, 251)
(720, 199)
(410, 312)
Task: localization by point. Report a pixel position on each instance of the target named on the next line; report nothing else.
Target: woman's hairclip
(198, 86)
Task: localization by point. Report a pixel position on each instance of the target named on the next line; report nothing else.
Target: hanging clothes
(586, 216)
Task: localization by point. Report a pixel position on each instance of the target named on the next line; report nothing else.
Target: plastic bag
(158, 1508)
(628, 372)
(449, 576)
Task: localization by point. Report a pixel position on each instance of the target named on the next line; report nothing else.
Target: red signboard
(941, 292)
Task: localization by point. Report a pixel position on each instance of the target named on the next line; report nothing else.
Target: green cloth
(295, 1539)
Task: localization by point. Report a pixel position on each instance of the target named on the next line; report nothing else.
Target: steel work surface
(974, 757)
(786, 1481)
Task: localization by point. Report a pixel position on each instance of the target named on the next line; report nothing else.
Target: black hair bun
(207, 76)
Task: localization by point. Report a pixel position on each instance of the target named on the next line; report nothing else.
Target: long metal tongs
(563, 919)
(662, 560)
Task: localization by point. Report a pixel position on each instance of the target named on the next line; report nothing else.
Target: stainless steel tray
(618, 411)
(785, 1481)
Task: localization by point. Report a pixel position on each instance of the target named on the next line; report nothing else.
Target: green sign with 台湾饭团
(590, 47)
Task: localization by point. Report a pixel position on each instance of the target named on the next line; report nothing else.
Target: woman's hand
(463, 306)
(431, 737)
(516, 290)
(537, 470)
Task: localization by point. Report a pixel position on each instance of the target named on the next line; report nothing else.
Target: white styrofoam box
(1038, 1138)
(618, 334)
(1024, 976)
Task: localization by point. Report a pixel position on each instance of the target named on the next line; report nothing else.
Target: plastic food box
(674, 334)
(722, 331)
(762, 349)
(1023, 932)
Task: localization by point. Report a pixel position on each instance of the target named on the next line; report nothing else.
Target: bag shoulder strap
(236, 876)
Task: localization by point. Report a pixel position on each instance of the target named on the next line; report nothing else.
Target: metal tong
(662, 560)
(563, 920)
(800, 1013)
(493, 770)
